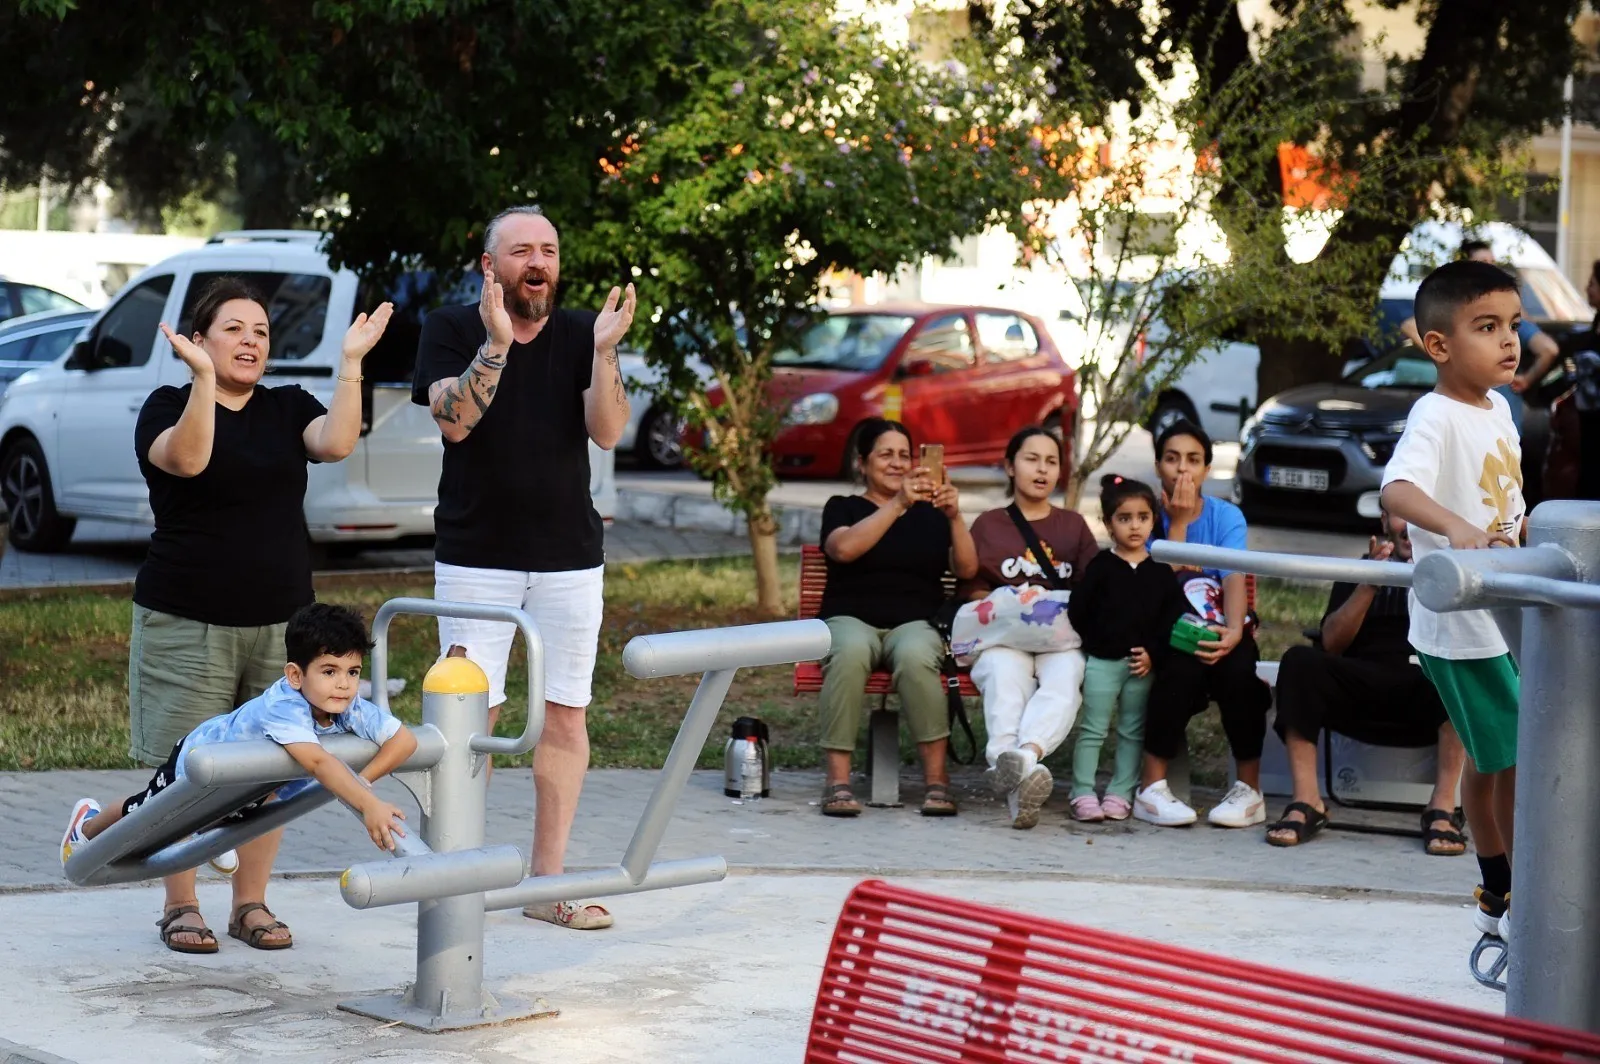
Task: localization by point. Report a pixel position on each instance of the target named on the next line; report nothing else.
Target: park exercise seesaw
(1546, 601)
(445, 867)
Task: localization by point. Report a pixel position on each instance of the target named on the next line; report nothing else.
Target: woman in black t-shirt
(229, 561)
(888, 549)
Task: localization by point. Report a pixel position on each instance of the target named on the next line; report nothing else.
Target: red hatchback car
(966, 377)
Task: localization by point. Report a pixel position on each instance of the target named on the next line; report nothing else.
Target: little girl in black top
(1123, 608)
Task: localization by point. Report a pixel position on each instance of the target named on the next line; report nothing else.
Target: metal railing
(1546, 602)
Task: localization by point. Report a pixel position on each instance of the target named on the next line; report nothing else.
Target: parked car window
(37, 300)
(15, 350)
(47, 347)
(297, 307)
(128, 331)
(394, 359)
(1006, 338)
(1405, 369)
(858, 342)
(945, 342)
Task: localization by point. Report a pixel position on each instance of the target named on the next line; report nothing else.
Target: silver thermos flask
(746, 761)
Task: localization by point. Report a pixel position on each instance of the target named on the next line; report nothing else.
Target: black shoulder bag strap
(1031, 538)
(943, 622)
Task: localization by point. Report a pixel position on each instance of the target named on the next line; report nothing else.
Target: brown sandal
(839, 800)
(252, 936)
(936, 801)
(208, 939)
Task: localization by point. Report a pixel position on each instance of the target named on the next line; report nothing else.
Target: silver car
(36, 340)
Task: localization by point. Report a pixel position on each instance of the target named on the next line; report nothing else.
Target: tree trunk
(1289, 363)
(763, 530)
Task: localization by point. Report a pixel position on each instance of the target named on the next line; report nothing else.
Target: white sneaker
(226, 863)
(1030, 795)
(1242, 807)
(1156, 804)
(1010, 769)
(81, 812)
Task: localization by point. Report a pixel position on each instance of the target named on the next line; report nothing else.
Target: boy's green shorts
(1481, 696)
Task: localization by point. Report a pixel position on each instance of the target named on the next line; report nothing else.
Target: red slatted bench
(915, 978)
(883, 729)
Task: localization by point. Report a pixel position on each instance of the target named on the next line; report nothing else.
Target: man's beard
(526, 307)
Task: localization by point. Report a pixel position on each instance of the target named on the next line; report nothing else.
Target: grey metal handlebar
(1445, 581)
(1292, 566)
(483, 744)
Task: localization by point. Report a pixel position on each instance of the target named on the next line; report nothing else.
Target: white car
(66, 429)
(654, 434)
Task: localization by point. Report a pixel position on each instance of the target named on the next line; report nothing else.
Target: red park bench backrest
(914, 978)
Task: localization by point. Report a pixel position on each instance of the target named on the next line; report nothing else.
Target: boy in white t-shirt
(1456, 476)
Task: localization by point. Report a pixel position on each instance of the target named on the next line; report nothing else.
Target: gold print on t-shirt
(1500, 473)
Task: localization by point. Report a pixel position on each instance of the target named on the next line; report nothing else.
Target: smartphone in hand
(932, 459)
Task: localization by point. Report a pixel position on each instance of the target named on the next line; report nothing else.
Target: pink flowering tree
(813, 146)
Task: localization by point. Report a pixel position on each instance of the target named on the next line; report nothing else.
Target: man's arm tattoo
(476, 382)
(619, 391)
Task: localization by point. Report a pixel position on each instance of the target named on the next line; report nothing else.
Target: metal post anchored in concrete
(1545, 599)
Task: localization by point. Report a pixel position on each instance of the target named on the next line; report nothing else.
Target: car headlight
(1249, 430)
(818, 409)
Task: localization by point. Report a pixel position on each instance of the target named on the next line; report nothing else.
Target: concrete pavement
(725, 972)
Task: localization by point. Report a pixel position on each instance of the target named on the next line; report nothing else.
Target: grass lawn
(64, 662)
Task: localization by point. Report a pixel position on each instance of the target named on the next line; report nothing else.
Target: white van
(66, 430)
(1218, 389)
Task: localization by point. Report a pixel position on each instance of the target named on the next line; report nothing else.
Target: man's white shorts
(565, 606)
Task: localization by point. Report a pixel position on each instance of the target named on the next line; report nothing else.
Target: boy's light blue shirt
(283, 715)
(1220, 524)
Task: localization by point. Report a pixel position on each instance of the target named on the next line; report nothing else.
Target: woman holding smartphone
(888, 549)
(1029, 700)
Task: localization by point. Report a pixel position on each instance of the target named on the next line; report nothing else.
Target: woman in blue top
(1224, 668)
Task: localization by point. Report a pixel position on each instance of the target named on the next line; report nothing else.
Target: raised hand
(496, 319)
(1380, 552)
(365, 332)
(613, 321)
(193, 355)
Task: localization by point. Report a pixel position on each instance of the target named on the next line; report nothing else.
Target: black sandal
(1450, 837)
(839, 800)
(936, 801)
(1304, 830)
(208, 939)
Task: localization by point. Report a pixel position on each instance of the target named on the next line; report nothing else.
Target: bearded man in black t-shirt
(518, 388)
(1364, 682)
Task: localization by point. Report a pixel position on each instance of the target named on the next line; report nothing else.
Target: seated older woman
(888, 549)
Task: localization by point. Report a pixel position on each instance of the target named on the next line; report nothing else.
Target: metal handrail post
(1544, 597)
(1555, 921)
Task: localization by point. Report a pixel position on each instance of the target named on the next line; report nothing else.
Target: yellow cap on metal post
(455, 676)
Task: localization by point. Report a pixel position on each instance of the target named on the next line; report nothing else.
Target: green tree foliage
(809, 146)
(1489, 75)
(398, 126)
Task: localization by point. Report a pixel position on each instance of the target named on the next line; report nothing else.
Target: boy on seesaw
(325, 646)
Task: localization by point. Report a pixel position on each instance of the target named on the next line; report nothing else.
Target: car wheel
(36, 524)
(660, 443)
(1168, 414)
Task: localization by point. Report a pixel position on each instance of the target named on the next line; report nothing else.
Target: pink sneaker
(1088, 809)
(1115, 808)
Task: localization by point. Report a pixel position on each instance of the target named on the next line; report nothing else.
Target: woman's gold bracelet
(353, 380)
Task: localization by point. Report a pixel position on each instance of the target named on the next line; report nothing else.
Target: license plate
(1300, 479)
